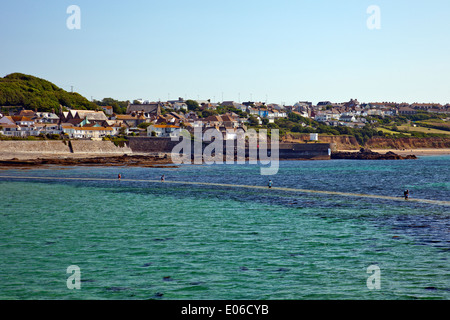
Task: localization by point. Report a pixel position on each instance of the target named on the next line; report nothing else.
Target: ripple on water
(153, 241)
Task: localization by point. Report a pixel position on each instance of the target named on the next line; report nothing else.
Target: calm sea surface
(151, 240)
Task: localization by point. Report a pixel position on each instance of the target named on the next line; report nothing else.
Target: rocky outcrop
(125, 160)
(367, 154)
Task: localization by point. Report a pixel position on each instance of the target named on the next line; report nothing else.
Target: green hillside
(19, 89)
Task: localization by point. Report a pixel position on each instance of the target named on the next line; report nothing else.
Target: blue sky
(282, 51)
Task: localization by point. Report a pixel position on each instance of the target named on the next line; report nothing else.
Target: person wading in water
(406, 194)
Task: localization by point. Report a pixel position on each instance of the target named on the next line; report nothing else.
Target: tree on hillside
(253, 121)
(119, 107)
(192, 105)
(207, 113)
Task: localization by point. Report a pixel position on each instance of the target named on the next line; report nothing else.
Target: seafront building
(160, 119)
(163, 130)
(93, 133)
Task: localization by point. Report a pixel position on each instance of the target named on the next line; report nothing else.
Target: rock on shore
(125, 160)
(366, 154)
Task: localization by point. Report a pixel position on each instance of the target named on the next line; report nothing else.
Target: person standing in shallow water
(162, 178)
(406, 194)
(270, 184)
(119, 176)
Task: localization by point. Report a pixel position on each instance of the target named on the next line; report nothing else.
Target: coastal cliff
(339, 142)
(350, 142)
(408, 143)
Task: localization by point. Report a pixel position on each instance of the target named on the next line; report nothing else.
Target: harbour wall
(151, 144)
(139, 145)
(313, 151)
(47, 147)
(25, 148)
(101, 147)
(316, 151)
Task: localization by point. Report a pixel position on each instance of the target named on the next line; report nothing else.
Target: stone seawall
(319, 151)
(49, 148)
(101, 147)
(136, 145)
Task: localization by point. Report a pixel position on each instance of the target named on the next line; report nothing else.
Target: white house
(46, 117)
(323, 117)
(45, 128)
(279, 113)
(242, 107)
(10, 130)
(178, 106)
(108, 110)
(347, 118)
(163, 130)
(87, 132)
(253, 111)
(22, 121)
(375, 112)
(271, 116)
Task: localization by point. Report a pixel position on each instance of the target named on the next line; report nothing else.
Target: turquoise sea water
(150, 240)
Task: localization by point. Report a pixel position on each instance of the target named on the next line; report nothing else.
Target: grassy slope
(30, 92)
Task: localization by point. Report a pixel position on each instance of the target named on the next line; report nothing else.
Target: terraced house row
(161, 119)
